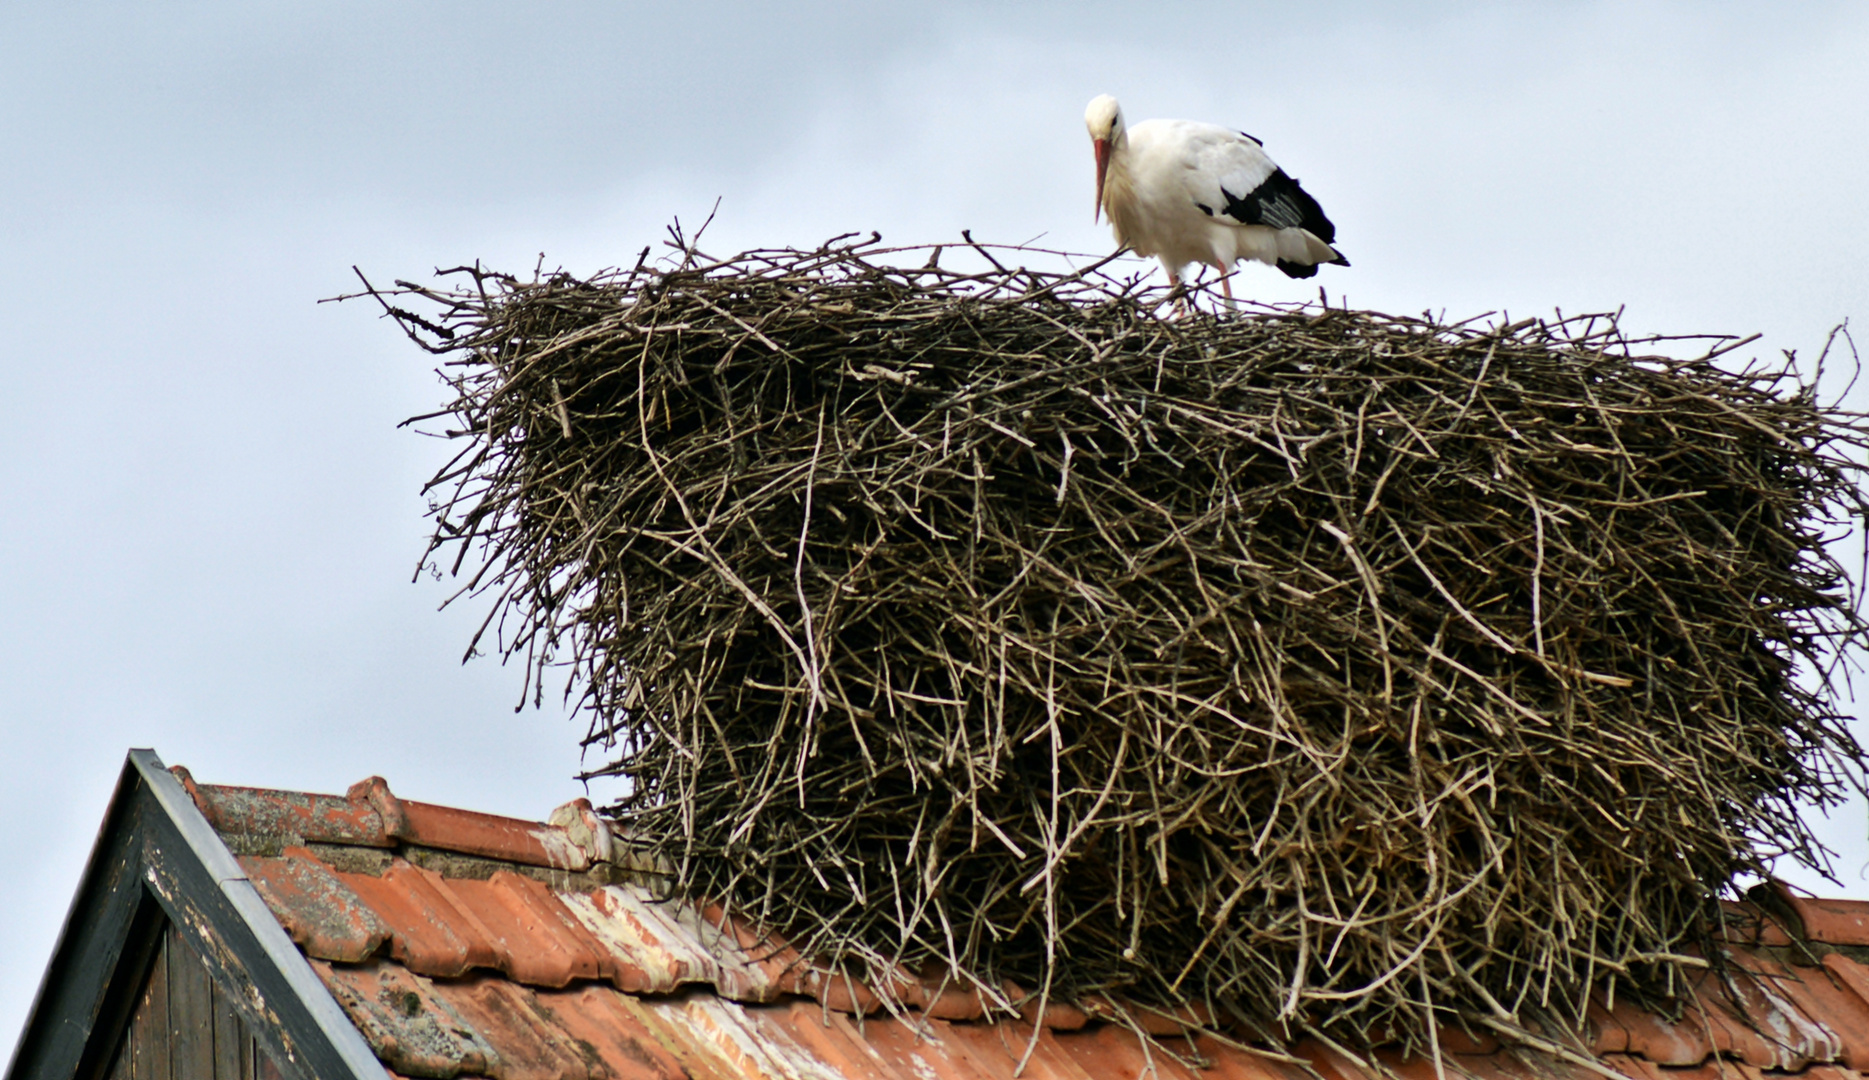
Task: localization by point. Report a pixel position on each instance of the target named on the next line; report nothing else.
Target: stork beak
(1103, 167)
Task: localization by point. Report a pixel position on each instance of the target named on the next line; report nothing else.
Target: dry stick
(1479, 381)
(1433, 1035)
(1538, 574)
(804, 603)
(564, 414)
(1517, 1034)
(1374, 590)
(1064, 471)
(1051, 861)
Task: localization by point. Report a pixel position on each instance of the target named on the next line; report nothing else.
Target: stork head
(1104, 118)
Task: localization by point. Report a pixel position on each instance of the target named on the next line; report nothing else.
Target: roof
(451, 943)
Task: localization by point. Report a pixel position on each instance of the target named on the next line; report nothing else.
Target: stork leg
(1226, 286)
(1178, 292)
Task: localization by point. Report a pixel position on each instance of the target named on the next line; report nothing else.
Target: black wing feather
(1280, 203)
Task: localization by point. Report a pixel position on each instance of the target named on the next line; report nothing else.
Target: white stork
(1190, 192)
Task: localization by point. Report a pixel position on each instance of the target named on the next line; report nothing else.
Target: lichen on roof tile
(411, 1029)
(323, 915)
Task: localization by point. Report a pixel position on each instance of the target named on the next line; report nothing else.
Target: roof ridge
(369, 814)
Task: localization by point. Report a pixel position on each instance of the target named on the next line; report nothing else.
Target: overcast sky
(209, 521)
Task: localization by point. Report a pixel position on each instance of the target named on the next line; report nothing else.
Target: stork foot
(1178, 295)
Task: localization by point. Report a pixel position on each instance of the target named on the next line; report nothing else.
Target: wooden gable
(185, 1027)
(171, 967)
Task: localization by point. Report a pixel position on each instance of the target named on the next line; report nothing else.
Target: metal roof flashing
(227, 872)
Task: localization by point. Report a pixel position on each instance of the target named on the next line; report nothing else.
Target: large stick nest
(1324, 667)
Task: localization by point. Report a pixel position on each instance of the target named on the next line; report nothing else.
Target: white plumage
(1188, 192)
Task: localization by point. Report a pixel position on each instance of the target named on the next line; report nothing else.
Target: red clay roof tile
(410, 1029)
(834, 1039)
(717, 1038)
(522, 927)
(1456, 1040)
(1747, 924)
(1782, 1036)
(1711, 1069)
(1659, 1040)
(1512, 1066)
(656, 947)
(489, 835)
(906, 1053)
(1603, 1033)
(427, 933)
(948, 999)
(1834, 922)
(1734, 1038)
(1328, 1062)
(1855, 980)
(1631, 1066)
(323, 916)
(1104, 1051)
(1058, 1015)
(512, 1018)
(695, 1061)
(598, 1018)
(1830, 1072)
(758, 964)
(995, 1049)
(631, 953)
(1851, 974)
(1154, 1021)
(1817, 994)
(585, 829)
(315, 819)
(842, 992)
(1236, 1066)
(1050, 1059)
(1411, 1068)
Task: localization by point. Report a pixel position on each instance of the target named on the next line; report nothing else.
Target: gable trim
(287, 964)
(157, 853)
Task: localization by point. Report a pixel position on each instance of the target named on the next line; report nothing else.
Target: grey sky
(210, 520)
